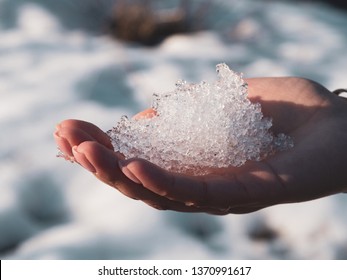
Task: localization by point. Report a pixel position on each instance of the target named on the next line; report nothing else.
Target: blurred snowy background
(60, 59)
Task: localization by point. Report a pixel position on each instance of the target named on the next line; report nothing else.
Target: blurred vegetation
(145, 22)
(337, 3)
(141, 22)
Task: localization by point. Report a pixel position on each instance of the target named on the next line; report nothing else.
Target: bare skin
(314, 168)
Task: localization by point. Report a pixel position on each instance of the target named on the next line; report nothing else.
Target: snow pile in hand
(199, 127)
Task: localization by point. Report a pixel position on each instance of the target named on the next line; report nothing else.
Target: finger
(204, 192)
(63, 146)
(245, 209)
(89, 128)
(68, 137)
(146, 114)
(103, 162)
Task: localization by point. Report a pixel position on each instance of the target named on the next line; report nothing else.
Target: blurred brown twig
(137, 21)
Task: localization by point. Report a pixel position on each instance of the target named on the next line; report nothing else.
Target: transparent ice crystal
(200, 127)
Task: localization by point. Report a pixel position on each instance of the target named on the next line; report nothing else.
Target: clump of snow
(201, 126)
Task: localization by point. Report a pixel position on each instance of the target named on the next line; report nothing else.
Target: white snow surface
(50, 71)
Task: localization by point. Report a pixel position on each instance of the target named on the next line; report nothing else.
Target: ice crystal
(200, 127)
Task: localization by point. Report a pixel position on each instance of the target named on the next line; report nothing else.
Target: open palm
(315, 167)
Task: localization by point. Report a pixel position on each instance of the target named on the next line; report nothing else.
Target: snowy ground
(52, 68)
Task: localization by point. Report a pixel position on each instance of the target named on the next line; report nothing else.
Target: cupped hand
(314, 117)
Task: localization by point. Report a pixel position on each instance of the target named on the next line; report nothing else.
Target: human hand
(315, 167)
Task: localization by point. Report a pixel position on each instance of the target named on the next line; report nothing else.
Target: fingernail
(63, 145)
(123, 166)
(82, 160)
(58, 127)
